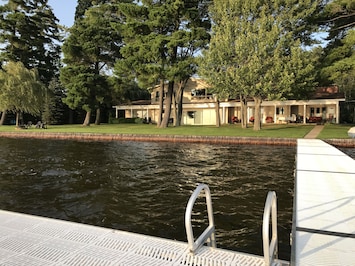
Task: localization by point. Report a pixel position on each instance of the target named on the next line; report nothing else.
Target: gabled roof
(329, 92)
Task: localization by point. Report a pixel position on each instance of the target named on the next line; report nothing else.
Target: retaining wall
(169, 138)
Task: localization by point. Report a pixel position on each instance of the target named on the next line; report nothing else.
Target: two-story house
(199, 107)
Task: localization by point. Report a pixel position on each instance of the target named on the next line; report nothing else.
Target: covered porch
(289, 111)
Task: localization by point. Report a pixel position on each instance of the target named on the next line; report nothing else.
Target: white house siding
(204, 113)
(201, 115)
(203, 107)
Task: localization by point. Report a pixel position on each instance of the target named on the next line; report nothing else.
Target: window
(157, 95)
(191, 114)
(279, 111)
(198, 93)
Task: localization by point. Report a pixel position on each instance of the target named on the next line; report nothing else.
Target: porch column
(224, 115)
(275, 114)
(337, 113)
(116, 112)
(131, 112)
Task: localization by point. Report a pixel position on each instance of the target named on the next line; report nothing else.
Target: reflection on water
(349, 151)
(144, 187)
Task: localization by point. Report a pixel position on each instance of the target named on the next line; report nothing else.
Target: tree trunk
(161, 101)
(168, 101)
(17, 118)
(218, 119)
(257, 114)
(3, 117)
(174, 110)
(180, 93)
(97, 118)
(71, 116)
(87, 119)
(243, 111)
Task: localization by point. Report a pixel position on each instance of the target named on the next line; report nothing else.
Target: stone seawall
(151, 138)
(169, 138)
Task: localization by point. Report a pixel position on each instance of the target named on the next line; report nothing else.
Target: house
(199, 107)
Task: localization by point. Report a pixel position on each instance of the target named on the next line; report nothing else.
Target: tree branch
(339, 17)
(344, 26)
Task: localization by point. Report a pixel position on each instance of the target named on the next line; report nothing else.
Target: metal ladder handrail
(208, 235)
(270, 248)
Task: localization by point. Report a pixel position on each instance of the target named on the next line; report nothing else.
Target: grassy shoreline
(330, 131)
(228, 134)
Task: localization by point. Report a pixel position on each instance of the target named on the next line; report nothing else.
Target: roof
(329, 92)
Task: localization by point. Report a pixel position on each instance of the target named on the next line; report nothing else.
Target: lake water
(144, 187)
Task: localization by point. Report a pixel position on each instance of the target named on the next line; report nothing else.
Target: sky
(64, 10)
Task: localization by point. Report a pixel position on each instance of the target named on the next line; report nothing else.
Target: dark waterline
(144, 187)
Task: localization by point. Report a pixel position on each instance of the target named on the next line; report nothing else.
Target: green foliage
(338, 17)
(254, 50)
(83, 87)
(338, 59)
(161, 39)
(29, 33)
(339, 65)
(53, 106)
(20, 89)
(89, 53)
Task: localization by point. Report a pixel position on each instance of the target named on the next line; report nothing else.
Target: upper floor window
(198, 92)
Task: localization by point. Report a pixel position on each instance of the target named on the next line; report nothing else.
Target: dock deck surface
(324, 211)
(31, 240)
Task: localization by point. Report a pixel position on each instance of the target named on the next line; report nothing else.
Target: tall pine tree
(89, 54)
(161, 39)
(29, 34)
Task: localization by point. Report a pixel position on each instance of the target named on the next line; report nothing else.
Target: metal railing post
(208, 235)
(270, 248)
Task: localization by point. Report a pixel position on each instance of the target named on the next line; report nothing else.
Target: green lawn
(272, 131)
(335, 131)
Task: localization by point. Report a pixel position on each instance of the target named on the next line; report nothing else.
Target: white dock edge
(323, 230)
(31, 240)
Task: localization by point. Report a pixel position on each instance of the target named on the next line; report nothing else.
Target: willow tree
(29, 34)
(20, 90)
(255, 50)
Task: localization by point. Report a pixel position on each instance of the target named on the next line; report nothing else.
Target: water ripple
(144, 187)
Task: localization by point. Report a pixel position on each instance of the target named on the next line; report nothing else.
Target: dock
(32, 240)
(323, 230)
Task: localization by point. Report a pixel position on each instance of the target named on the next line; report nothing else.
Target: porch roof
(234, 104)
